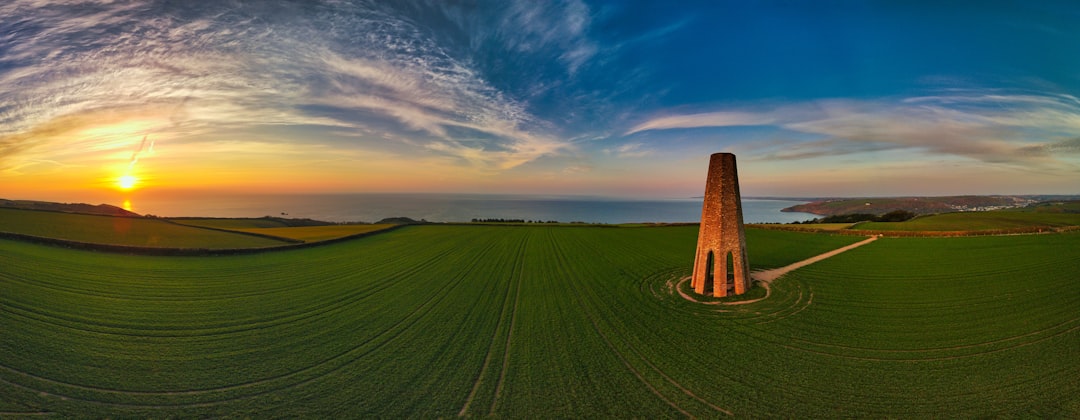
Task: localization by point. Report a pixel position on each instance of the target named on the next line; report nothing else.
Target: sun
(127, 182)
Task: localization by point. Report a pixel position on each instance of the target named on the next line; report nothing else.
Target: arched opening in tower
(709, 271)
(729, 278)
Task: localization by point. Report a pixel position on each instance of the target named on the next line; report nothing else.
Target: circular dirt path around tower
(767, 276)
(678, 287)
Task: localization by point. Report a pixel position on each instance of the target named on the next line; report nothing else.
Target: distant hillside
(400, 221)
(83, 208)
(1072, 207)
(917, 205)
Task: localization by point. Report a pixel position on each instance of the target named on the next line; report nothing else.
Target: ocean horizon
(372, 207)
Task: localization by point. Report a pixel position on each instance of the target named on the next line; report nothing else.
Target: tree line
(501, 220)
(892, 216)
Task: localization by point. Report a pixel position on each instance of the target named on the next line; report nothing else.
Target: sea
(460, 208)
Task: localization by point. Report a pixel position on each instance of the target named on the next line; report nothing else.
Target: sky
(107, 99)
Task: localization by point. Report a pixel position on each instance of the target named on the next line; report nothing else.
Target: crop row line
(561, 260)
(960, 347)
(671, 285)
(928, 359)
(515, 284)
(519, 271)
(402, 325)
(40, 281)
(321, 308)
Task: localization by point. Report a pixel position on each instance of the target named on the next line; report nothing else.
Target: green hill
(976, 221)
(83, 208)
(124, 231)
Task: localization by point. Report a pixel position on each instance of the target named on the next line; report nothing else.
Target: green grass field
(963, 327)
(129, 231)
(973, 221)
(441, 321)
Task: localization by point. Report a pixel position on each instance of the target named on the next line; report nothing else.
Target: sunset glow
(566, 97)
(127, 182)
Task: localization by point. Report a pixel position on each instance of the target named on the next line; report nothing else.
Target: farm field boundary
(237, 231)
(317, 233)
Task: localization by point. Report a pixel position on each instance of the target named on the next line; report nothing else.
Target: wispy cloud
(211, 68)
(530, 26)
(577, 169)
(629, 150)
(709, 119)
(444, 99)
(996, 128)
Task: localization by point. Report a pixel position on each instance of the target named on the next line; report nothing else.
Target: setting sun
(127, 182)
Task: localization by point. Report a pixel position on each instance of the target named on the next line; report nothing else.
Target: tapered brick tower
(721, 236)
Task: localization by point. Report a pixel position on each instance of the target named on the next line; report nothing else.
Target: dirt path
(770, 275)
(678, 286)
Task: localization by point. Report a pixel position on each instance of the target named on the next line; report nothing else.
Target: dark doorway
(730, 273)
(710, 264)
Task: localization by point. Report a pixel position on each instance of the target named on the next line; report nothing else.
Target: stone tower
(721, 237)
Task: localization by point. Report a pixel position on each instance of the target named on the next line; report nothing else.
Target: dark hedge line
(179, 252)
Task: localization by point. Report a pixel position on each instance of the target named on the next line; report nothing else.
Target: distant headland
(919, 205)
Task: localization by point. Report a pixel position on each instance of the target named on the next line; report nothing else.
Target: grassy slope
(1053, 207)
(810, 226)
(882, 205)
(539, 321)
(122, 231)
(988, 220)
(317, 233)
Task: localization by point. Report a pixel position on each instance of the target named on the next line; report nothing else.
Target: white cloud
(995, 128)
(710, 119)
(629, 151)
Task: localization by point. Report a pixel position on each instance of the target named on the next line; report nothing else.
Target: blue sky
(559, 97)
